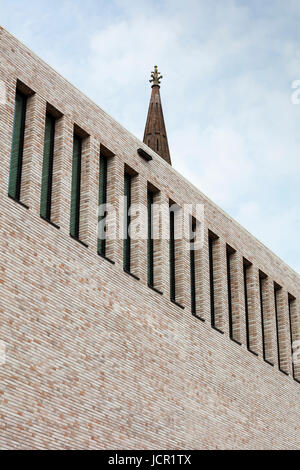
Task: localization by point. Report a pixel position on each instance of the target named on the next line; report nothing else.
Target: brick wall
(94, 357)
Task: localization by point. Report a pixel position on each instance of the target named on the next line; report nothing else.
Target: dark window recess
(262, 316)
(75, 191)
(47, 173)
(102, 199)
(127, 241)
(245, 269)
(172, 257)
(291, 301)
(15, 173)
(211, 280)
(228, 262)
(192, 268)
(150, 250)
(277, 326)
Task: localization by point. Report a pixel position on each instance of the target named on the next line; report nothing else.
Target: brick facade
(94, 357)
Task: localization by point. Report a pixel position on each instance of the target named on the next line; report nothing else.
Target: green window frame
(17, 148)
(276, 289)
(246, 267)
(172, 257)
(127, 241)
(102, 199)
(150, 244)
(192, 268)
(47, 172)
(211, 280)
(262, 315)
(229, 290)
(291, 302)
(75, 189)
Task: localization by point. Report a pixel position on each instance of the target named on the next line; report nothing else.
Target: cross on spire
(155, 77)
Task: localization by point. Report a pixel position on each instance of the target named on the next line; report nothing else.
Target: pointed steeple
(155, 135)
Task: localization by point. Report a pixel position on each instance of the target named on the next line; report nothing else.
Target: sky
(228, 66)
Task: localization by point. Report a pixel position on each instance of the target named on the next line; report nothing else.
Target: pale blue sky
(228, 68)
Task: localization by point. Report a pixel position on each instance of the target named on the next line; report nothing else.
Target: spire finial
(155, 135)
(156, 77)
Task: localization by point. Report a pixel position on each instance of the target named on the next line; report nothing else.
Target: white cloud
(228, 69)
(275, 225)
(215, 160)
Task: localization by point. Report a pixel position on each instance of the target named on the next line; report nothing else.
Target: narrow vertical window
(245, 273)
(211, 279)
(282, 328)
(75, 191)
(127, 241)
(102, 200)
(263, 333)
(266, 319)
(232, 277)
(192, 266)
(292, 302)
(15, 174)
(276, 289)
(229, 290)
(172, 257)
(150, 247)
(47, 173)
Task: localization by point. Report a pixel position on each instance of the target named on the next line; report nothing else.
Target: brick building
(128, 344)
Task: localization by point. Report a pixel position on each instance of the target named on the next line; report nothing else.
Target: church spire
(155, 135)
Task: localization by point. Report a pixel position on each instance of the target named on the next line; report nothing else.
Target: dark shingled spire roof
(155, 135)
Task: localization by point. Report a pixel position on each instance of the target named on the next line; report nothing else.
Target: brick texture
(96, 359)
